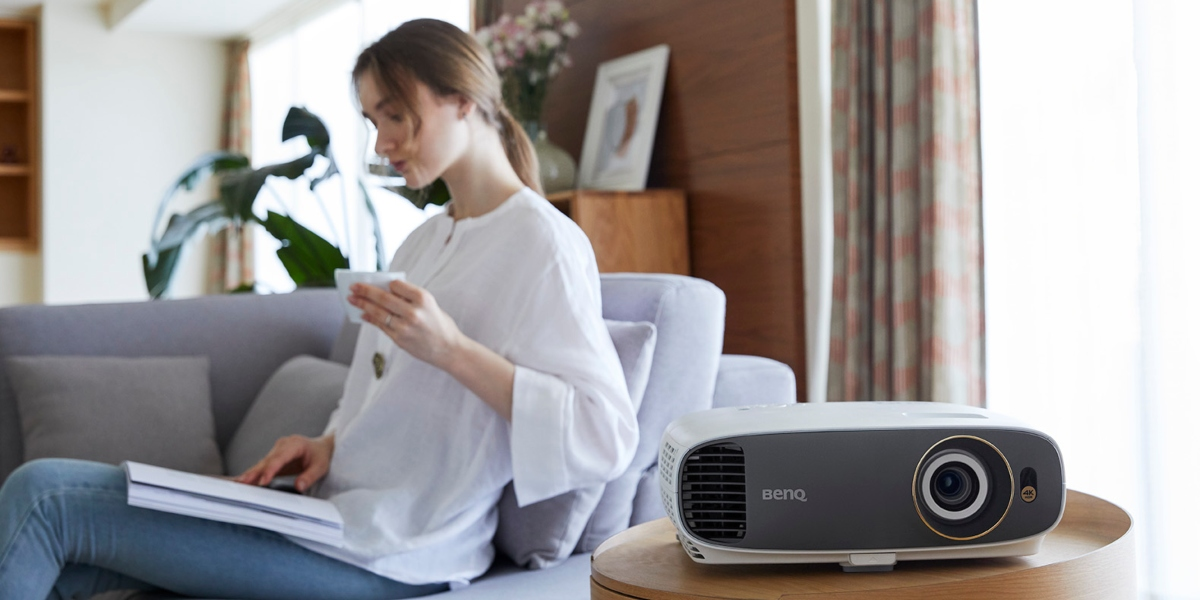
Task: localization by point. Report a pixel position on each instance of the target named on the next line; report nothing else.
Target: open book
(216, 499)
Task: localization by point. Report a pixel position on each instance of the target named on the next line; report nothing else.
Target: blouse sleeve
(336, 420)
(573, 424)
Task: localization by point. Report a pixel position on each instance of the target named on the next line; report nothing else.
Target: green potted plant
(308, 258)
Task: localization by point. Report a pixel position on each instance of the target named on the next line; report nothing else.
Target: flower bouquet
(529, 50)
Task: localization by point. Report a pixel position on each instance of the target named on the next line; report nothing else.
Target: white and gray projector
(862, 484)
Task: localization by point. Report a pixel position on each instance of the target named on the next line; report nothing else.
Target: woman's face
(441, 141)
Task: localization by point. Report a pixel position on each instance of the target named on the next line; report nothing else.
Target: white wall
(123, 113)
(20, 278)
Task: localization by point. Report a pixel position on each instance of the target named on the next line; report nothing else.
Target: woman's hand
(419, 326)
(412, 318)
(307, 458)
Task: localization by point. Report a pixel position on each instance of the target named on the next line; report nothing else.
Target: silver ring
(387, 323)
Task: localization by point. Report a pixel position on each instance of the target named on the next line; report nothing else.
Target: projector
(862, 484)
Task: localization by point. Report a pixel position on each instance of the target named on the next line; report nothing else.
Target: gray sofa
(248, 337)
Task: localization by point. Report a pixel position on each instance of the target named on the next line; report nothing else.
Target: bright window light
(1089, 133)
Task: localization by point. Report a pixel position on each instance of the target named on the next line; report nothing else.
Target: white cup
(346, 278)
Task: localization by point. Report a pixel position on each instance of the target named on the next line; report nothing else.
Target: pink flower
(536, 36)
(550, 39)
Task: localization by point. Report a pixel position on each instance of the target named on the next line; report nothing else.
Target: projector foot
(866, 568)
(870, 562)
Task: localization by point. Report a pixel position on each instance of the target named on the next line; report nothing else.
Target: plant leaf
(206, 165)
(158, 277)
(379, 257)
(329, 172)
(239, 190)
(435, 193)
(158, 264)
(181, 227)
(211, 163)
(301, 122)
(309, 258)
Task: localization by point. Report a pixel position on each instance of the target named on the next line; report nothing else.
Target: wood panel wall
(728, 134)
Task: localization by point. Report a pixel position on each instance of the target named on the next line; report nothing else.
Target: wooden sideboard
(632, 232)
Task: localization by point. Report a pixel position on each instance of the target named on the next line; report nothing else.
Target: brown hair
(450, 62)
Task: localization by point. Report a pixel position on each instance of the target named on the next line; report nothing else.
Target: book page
(251, 497)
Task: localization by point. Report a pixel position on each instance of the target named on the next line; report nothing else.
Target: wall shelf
(14, 96)
(19, 137)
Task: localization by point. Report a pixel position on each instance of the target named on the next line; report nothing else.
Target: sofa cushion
(297, 399)
(570, 580)
(245, 337)
(154, 410)
(635, 349)
(545, 533)
(689, 315)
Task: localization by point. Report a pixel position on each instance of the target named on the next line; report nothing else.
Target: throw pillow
(154, 410)
(297, 399)
(545, 533)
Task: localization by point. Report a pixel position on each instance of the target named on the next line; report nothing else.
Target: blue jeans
(66, 531)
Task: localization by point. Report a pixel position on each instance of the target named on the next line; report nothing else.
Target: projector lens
(954, 486)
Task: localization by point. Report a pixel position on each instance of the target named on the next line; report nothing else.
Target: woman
(490, 363)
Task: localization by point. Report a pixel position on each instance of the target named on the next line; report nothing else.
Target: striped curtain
(231, 250)
(907, 318)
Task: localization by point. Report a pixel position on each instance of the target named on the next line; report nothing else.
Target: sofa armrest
(747, 380)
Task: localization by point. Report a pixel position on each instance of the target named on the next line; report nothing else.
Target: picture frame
(623, 120)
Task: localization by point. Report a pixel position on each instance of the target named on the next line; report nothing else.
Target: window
(1089, 138)
(310, 66)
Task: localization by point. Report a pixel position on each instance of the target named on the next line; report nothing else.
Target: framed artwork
(622, 121)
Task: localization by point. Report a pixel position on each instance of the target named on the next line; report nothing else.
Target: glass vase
(556, 168)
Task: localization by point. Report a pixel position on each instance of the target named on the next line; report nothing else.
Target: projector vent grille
(667, 463)
(713, 489)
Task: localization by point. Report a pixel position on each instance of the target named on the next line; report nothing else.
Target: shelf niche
(19, 168)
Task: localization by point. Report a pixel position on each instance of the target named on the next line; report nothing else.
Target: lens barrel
(962, 487)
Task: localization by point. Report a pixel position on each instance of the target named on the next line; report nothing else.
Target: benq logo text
(796, 494)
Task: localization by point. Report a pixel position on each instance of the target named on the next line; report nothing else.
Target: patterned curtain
(231, 250)
(907, 319)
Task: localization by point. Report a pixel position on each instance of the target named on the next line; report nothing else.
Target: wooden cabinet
(19, 154)
(632, 232)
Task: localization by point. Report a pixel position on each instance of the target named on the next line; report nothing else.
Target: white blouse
(419, 460)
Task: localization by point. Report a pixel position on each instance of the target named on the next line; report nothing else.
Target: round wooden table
(1089, 555)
